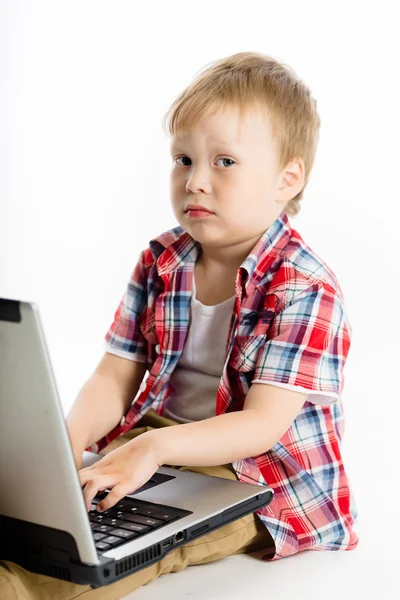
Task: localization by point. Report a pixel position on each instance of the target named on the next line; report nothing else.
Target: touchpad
(156, 479)
(89, 458)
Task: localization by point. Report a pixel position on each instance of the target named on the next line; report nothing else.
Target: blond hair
(251, 79)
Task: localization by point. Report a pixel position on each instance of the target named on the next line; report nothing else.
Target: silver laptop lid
(45, 489)
(29, 406)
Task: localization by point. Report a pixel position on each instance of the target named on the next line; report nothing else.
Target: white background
(84, 178)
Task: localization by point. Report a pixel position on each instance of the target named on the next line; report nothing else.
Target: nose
(198, 181)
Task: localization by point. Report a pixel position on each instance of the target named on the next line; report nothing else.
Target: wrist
(153, 440)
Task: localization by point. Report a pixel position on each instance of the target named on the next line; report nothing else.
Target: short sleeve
(124, 337)
(307, 345)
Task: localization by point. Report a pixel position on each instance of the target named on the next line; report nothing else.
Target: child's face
(229, 165)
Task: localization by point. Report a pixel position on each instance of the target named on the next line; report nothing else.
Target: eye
(232, 161)
(179, 157)
(186, 157)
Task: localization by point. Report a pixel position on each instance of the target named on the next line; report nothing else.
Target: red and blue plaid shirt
(288, 328)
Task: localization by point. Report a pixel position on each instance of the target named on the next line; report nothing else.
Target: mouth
(198, 214)
(197, 209)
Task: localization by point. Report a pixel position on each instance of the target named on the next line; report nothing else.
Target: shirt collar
(176, 247)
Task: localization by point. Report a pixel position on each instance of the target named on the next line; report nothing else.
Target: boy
(241, 326)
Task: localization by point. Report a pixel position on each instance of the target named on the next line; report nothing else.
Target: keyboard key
(128, 517)
(131, 510)
(135, 527)
(103, 528)
(147, 510)
(95, 518)
(145, 520)
(113, 522)
(99, 536)
(124, 533)
(155, 513)
(99, 496)
(112, 512)
(125, 506)
(111, 539)
(102, 546)
(141, 519)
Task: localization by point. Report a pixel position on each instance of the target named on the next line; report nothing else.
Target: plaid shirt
(288, 328)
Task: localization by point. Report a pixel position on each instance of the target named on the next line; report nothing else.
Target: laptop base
(54, 552)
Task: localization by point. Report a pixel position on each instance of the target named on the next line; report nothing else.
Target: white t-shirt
(198, 372)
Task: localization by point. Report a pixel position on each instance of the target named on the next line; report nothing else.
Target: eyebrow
(220, 142)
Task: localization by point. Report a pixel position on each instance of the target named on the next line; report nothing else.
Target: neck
(226, 257)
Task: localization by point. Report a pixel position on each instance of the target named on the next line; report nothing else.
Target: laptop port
(167, 543)
(179, 537)
(199, 530)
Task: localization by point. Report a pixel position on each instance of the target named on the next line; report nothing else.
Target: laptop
(44, 524)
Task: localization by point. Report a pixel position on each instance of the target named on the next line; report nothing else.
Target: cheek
(173, 182)
(263, 180)
(175, 192)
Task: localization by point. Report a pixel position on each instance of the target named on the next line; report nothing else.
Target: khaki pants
(244, 535)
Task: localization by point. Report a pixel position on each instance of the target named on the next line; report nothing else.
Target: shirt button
(158, 349)
(142, 386)
(94, 448)
(122, 421)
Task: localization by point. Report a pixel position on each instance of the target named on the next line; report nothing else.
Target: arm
(102, 401)
(307, 346)
(267, 414)
(106, 396)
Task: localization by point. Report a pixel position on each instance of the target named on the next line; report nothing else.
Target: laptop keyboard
(129, 519)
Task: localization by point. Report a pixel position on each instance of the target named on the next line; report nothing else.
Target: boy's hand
(123, 471)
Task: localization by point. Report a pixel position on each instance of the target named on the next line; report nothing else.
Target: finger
(100, 463)
(86, 469)
(94, 485)
(82, 474)
(86, 475)
(117, 493)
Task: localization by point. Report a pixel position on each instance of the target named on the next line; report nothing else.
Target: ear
(291, 181)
